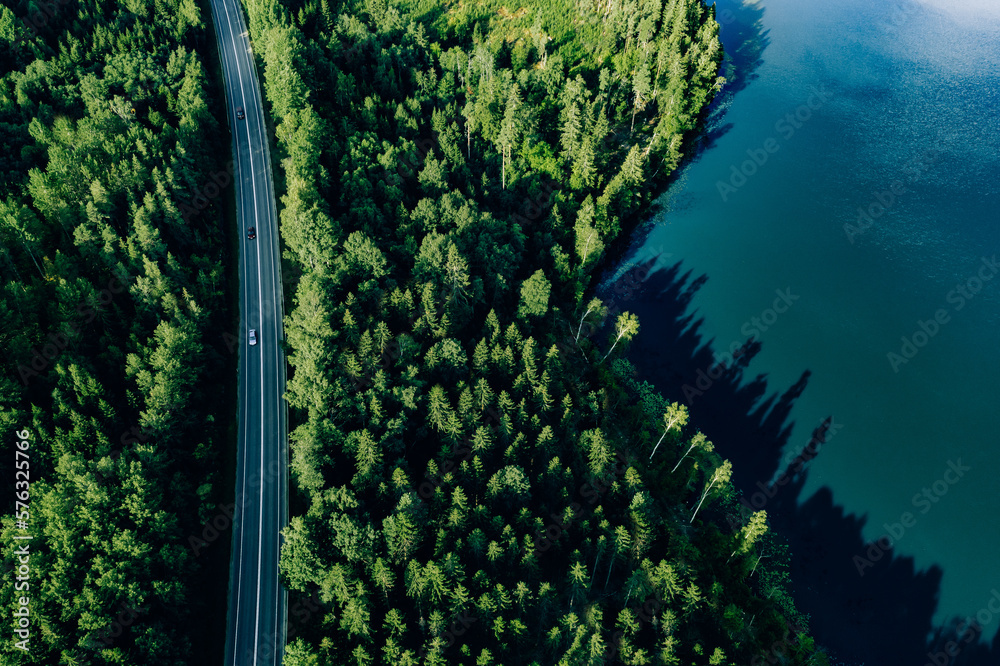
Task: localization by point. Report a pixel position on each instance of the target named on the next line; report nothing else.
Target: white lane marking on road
(276, 285)
(246, 384)
(277, 353)
(259, 300)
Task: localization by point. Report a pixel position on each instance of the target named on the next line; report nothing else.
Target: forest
(479, 477)
(113, 302)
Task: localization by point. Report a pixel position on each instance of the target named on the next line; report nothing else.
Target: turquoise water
(898, 113)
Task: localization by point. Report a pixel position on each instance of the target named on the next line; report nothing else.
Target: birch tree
(626, 327)
(676, 416)
(720, 477)
(698, 441)
(595, 305)
(753, 530)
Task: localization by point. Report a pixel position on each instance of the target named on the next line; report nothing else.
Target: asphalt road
(255, 626)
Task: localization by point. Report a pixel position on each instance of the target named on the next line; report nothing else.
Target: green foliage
(626, 328)
(534, 295)
(112, 255)
(459, 169)
(509, 483)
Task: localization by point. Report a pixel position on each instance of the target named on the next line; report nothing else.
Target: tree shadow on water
(744, 38)
(873, 615)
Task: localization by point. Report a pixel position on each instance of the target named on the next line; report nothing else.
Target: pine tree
(577, 575)
(382, 576)
(480, 358)
(457, 272)
(640, 93)
(511, 128)
(438, 408)
(588, 240)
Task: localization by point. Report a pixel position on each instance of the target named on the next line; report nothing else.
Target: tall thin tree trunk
(659, 65)
(612, 347)
(682, 459)
(650, 143)
(586, 248)
(703, 496)
(658, 445)
(581, 324)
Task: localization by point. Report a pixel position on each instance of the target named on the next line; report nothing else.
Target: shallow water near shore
(846, 216)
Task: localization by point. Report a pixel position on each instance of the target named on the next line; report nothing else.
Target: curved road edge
(257, 614)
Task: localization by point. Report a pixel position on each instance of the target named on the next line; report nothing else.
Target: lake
(841, 215)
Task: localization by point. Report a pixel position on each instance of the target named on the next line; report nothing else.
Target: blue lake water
(889, 110)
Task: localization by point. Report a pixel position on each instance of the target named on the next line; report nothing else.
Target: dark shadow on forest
(881, 618)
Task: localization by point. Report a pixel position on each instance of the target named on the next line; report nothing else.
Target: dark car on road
(252, 233)
(240, 114)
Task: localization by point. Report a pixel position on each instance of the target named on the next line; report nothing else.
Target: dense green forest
(112, 305)
(481, 479)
